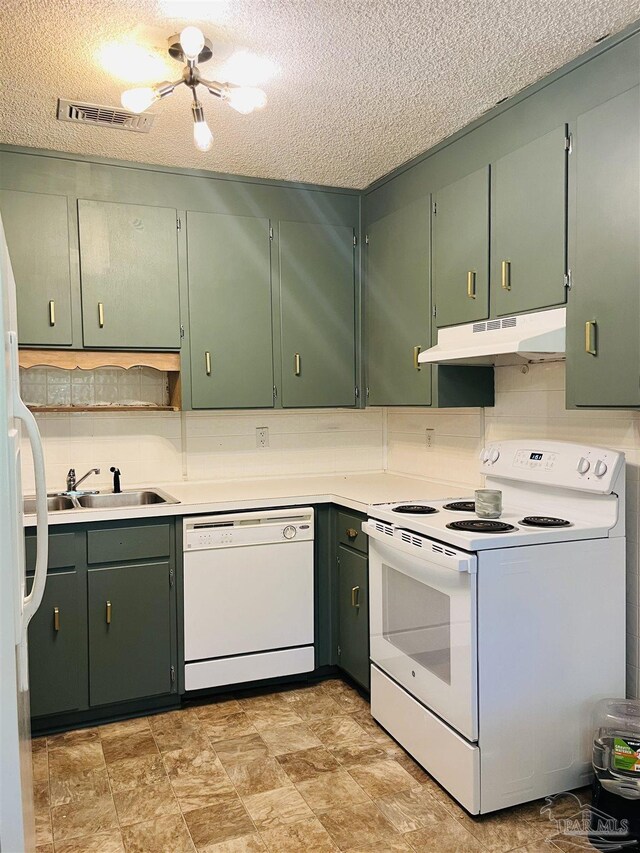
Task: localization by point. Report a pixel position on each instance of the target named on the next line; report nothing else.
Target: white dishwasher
(248, 596)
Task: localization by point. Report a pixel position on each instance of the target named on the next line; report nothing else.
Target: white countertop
(354, 491)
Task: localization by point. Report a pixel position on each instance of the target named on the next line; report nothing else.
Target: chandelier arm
(218, 89)
(167, 87)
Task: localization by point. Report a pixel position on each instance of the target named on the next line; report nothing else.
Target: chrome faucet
(72, 483)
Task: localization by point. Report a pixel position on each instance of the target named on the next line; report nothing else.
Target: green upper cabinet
(397, 306)
(130, 654)
(461, 250)
(37, 231)
(229, 260)
(529, 225)
(603, 334)
(129, 275)
(317, 314)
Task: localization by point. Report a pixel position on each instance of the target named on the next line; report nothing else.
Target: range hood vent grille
(80, 113)
(494, 325)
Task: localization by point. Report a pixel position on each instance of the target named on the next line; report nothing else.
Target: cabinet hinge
(366, 239)
(181, 331)
(339, 651)
(172, 579)
(172, 674)
(179, 224)
(270, 232)
(367, 392)
(434, 311)
(434, 208)
(355, 240)
(357, 390)
(568, 143)
(275, 392)
(567, 280)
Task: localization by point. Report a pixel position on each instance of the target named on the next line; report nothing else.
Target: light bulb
(245, 99)
(202, 135)
(138, 100)
(191, 42)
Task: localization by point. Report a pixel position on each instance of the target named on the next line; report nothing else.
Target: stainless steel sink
(125, 499)
(54, 504)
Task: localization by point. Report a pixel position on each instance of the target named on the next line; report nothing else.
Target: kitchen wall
(161, 448)
(529, 402)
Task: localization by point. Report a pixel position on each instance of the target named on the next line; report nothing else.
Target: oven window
(416, 619)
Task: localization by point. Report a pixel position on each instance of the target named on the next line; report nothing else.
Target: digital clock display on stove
(537, 457)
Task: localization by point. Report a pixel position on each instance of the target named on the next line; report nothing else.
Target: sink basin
(54, 504)
(124, 499)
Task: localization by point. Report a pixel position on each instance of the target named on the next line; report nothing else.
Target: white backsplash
(159, 448)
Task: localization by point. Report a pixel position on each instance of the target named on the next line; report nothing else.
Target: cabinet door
(129, 632)
(353, 614)
(529, 210)
(57, 648)
(129, 275)
(603, 350)
(230, 311)
(317, 309)
(37, 231)
(397, 306)
(461, 250)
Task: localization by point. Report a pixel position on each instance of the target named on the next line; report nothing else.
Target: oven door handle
(431, 551)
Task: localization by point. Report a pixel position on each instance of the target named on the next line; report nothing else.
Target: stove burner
(545, 521)
(461, 506)
(415, 509)
(482, 525)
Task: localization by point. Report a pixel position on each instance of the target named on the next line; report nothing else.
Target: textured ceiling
(364, 85)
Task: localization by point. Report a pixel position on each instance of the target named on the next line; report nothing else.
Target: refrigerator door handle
(32, 601)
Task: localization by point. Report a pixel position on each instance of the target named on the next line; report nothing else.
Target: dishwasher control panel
(229, 530)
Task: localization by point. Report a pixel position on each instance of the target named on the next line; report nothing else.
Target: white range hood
(539, 336)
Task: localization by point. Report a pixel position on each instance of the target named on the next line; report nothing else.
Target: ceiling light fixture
(192, 48)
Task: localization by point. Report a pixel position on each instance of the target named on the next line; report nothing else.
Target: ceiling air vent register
(101, 116)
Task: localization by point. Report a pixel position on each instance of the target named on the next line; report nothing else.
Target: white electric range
(491, 640)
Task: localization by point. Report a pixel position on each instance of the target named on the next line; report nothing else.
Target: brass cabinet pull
(296, 364)
(52, 313)
(108, 613)
(351, 532)
(590, 341)
(506, 275)
(56, 618)
(416, 353)
(471, 284)
(101, 315)
(207, 363)
(355, 596)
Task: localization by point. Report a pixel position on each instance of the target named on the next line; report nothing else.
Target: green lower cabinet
(603, 335)
(353, 614)
(57, 648)
(130, 637)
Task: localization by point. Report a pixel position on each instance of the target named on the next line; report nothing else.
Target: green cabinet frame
(229, 261)
(37, 230)
(352, 597)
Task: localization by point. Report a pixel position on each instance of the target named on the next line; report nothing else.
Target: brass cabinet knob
(351, 532)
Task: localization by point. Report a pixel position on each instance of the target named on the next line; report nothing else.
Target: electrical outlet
(262, 436)
(431, 437)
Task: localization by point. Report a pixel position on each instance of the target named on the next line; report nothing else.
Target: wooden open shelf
(168, 362)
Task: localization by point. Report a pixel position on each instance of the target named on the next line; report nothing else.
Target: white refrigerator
(17, 831)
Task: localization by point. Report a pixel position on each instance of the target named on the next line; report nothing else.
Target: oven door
(422, 598)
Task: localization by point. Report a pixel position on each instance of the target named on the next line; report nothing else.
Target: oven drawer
(449, 758)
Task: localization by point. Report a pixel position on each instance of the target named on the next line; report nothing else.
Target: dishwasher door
(248, 599)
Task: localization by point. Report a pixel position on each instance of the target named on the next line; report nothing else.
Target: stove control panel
(554, 463)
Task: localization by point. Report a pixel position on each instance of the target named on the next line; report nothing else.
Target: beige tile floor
(302, 769)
